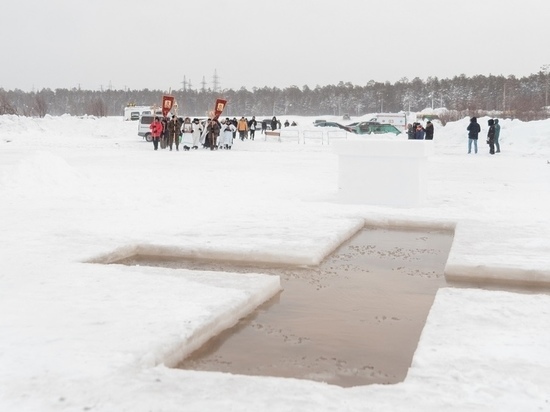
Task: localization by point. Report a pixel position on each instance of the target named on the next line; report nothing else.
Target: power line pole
(215, 81)
(504, 98)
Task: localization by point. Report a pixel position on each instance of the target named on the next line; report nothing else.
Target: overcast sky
(138, 44)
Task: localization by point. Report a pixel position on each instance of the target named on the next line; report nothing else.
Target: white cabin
(399, 120)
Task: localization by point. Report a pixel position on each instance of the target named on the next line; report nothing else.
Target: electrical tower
(215, 81)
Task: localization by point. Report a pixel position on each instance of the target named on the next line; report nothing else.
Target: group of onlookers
(493, 135)
(416, 131)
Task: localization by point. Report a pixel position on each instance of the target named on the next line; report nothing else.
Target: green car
(374, 128)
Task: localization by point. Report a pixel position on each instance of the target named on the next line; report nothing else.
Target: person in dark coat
(174, 132)
(429, 131)
(491, 136)
(497, 135)
(410, 131)
(419, 132)
(213, 133)
(264, 126)
(164, 137)
(473, 131)
(274, 123)
(252, 125)
(235, 123)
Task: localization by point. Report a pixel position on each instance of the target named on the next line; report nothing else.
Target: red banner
(167, 103)
(218, 109)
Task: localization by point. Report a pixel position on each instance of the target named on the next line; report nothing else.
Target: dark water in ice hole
(354, 320)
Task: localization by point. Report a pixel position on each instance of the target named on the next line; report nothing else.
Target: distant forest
(523, 98)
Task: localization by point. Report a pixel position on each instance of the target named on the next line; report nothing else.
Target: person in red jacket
(156, 132)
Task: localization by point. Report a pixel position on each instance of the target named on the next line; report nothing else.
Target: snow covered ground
(77, 336)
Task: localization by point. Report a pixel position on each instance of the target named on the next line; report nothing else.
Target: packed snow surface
(77, 334)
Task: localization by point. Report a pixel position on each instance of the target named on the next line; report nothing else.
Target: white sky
(76, 336)
(134, 44)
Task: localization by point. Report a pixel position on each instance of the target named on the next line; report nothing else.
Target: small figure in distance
(419, 132)
(497, 135)
(410, 131)
(473, 131)
(491, 136)
(156, 132)
(429, 130)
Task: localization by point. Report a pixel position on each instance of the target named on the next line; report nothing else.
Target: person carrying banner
(164, 136)
(213, 130)
(174, 131)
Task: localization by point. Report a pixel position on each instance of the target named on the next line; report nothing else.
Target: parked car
(333, 124)
(373, 128)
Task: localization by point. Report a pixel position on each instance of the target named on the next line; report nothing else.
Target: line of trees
(524, 98)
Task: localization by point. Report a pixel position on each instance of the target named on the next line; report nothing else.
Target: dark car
(333, 124)
(373, 128)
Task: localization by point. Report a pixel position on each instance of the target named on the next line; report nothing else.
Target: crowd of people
(416, 131)
(215, 134)
(493, 134)
(169, 133)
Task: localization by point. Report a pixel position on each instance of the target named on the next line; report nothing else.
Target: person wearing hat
(419, 133)
(497, 134)
(156, 132)
(188, 134)
(174, 131)
(473, 132)
(242, 128)
(197, 133)
(252, 124)
(227, 135)
(491, 136)
(429, 129)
